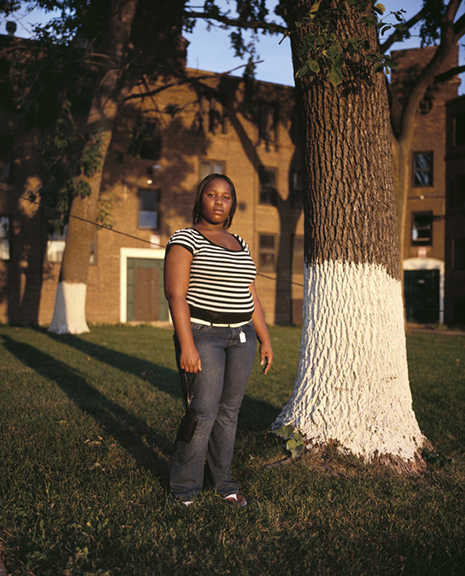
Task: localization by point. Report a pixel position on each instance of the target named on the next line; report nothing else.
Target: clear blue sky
(211, 50)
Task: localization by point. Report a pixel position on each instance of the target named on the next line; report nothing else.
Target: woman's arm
(177, 273)
(266, 351)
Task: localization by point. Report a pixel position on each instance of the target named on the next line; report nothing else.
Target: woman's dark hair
(197, 211)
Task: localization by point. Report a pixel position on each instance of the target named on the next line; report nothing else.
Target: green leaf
(315, 7)
(298, 436)
(335, 75)
(380, 9)
(294, 446)
(285, 432)
(314, 66)
(302, 71)
(354, 41)
(334, 51)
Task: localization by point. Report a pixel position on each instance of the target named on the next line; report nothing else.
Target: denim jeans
(217, 397)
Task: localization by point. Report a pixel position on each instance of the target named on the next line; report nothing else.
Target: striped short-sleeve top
(220, 278)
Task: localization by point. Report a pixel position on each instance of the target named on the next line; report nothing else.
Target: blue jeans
(217, 397)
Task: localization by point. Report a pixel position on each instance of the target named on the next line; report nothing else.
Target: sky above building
(211, 49)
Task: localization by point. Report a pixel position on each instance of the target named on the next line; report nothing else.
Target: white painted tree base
(69, 315)
(352, 382)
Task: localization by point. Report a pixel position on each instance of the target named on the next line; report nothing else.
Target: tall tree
(69, 313)
(352, 385)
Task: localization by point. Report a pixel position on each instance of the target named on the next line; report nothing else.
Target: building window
(4, 238)
(425, 106)
(149, 216)
(56, 245)
(295, 177)
(268, 123)
(215, 115)
(211, 167)
(423, 169)
(6, 149)
(268, 191)
(267, 253)
(459, 129)
(459, 254)
(422, 228)
(145, 141)
(298, 254)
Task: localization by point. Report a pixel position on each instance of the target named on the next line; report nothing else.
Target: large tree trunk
(352, 384)
(69, 315)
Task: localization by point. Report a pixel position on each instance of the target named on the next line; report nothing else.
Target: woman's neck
(204, 226)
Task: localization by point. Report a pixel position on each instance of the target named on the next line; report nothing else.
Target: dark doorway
(421, 288)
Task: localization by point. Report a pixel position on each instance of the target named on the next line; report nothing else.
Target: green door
(421, 289)
(145, 290)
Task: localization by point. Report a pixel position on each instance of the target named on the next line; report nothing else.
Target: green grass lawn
(87, 426)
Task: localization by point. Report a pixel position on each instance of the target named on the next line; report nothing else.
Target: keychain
(242, 336)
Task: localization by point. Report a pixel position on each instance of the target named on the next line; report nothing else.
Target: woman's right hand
(190, 360)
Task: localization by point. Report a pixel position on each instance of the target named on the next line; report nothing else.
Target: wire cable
(110, 229)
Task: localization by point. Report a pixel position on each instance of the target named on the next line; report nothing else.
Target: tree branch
(183, 80)
(449, 74)
(459, 27)
(396, 36)
(238, 23)
(430, 71)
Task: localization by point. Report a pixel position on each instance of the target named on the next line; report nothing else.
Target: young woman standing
(217, 316)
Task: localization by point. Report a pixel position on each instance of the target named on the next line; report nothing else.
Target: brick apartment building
(189, 130)
(455, 213)
(424, 247)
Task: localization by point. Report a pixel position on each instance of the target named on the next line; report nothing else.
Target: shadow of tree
(255, 414)
(135, 436)
(125, 428)
(160, 377)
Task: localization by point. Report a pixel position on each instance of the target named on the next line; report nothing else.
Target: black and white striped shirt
(219, 279)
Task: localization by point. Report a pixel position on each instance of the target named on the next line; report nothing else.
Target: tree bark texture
(352, 383)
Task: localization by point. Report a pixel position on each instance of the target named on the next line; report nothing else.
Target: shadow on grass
(164, 379)
(125, 428)
(255, 414)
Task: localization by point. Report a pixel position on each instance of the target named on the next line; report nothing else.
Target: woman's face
(217, 201)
